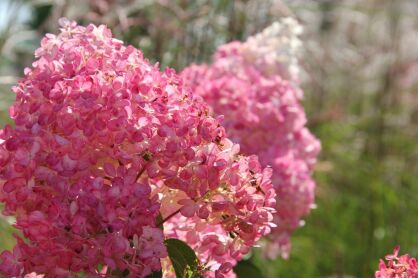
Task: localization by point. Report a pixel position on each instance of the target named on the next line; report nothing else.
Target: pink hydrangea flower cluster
(103, 142)
(398, 266)
(221, 233)
(263, 113)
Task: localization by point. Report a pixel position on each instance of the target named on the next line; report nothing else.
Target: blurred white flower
(276, 48)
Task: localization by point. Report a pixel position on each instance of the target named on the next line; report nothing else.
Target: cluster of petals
(397, 266)
(253, 86)
(224, 223)
(101, 141)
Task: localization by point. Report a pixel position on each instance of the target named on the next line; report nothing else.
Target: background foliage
(360, 76)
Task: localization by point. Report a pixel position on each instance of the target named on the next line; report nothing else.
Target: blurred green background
(360, 76)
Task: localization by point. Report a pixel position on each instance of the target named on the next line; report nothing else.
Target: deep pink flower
(397, 266)
(254, 86)
(103, 142)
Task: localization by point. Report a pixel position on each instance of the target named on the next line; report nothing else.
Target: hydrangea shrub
(104, 144)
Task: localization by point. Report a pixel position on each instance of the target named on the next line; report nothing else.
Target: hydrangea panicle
(102, 141)
(397, 266)
(254, 84)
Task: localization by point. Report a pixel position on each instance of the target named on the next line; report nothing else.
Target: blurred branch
(12, 11)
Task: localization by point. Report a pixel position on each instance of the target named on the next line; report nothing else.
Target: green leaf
(156, 274)
(119, 272)
(159, 221)
(40, 14)
(246, 269)
(183, 259)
